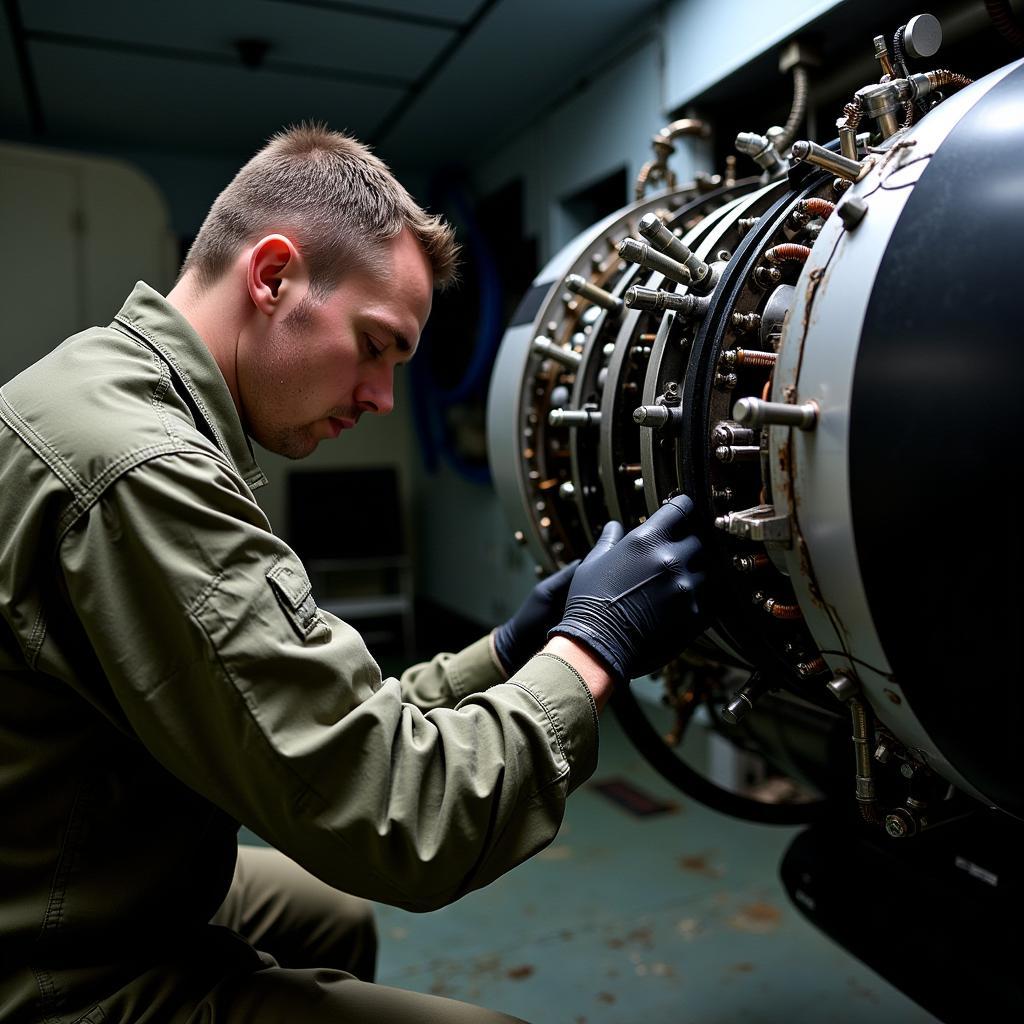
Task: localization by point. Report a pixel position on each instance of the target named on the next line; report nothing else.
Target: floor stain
(759, 917)
(699, 864)
(560, 852)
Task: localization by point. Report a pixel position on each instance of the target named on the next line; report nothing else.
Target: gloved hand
(519, 639)
(635, 599)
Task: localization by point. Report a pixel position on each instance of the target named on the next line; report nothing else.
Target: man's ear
(275, 265)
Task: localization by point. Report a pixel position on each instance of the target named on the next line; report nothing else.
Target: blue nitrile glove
(634, 601)
(519, 639)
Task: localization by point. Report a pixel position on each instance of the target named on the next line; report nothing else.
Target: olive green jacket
(165, 674)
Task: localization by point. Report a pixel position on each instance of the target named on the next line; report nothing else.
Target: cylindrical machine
(835, 394)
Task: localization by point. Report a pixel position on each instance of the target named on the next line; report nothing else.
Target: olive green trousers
(324, 944)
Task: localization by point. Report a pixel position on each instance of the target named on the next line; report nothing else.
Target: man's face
(326, 363)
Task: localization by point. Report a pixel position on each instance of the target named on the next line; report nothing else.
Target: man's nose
(376, 394)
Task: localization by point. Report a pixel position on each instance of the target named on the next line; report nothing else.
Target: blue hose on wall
(431, 402)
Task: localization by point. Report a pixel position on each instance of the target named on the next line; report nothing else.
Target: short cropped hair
(327, 192)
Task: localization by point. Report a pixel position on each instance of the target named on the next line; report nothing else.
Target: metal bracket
(759, 523)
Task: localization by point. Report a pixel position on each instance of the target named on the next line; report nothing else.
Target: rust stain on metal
(520, 972)
(813, 283)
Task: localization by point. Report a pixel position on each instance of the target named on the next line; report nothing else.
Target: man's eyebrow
(402, 343)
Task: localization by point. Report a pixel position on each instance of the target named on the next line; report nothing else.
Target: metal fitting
(900, 823)
(746, 321)
(851, 211)
(664, 241)
(881, 102)
(549, 350)
(842, 687)
(766, 277)
(750, 563)
(653, 300)
(737, 453)
(574, 417)
(657, 416)
(759, 523)
(647, 256)
(726, 381)
(756, 413)
(762, 151)
(728, 432)
(834, 163)
(592, 293)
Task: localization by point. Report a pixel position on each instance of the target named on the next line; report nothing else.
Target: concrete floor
(676, 918)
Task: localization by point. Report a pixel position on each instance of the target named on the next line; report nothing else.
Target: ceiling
(425, 82)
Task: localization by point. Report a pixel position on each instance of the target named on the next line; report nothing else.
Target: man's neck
(214, 314)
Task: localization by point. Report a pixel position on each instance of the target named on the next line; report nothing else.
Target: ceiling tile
(448, 10)
(507, 71)
(297, 34)
(132, 101)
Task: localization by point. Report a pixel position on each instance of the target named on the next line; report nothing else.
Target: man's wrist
(595, 673)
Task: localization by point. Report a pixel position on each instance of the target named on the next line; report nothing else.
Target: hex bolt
(567, 490)
(842, 687)
(745, 322)
(883, 753)
(592, 293)
(756, 413)
(900, 823)
(908, 769)
(767, 277)
(727, 432)
(851, 211)
(726, 381)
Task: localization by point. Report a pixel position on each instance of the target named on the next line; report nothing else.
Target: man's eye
(375, 350)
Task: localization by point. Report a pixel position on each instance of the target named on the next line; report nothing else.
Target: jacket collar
(148, 315)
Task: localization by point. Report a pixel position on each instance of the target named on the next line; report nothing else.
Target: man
(165, 673)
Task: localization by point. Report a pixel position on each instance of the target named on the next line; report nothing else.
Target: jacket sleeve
(447, 678)
(205, 628)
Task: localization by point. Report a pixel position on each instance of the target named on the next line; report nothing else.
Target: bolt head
(895, 826)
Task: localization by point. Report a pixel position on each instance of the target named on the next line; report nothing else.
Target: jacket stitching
(160, 390)
(124, 462)
(556, 726)
(35, 640)
(61, 469)
(121, 468)
(582, 682)
(185, 379)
